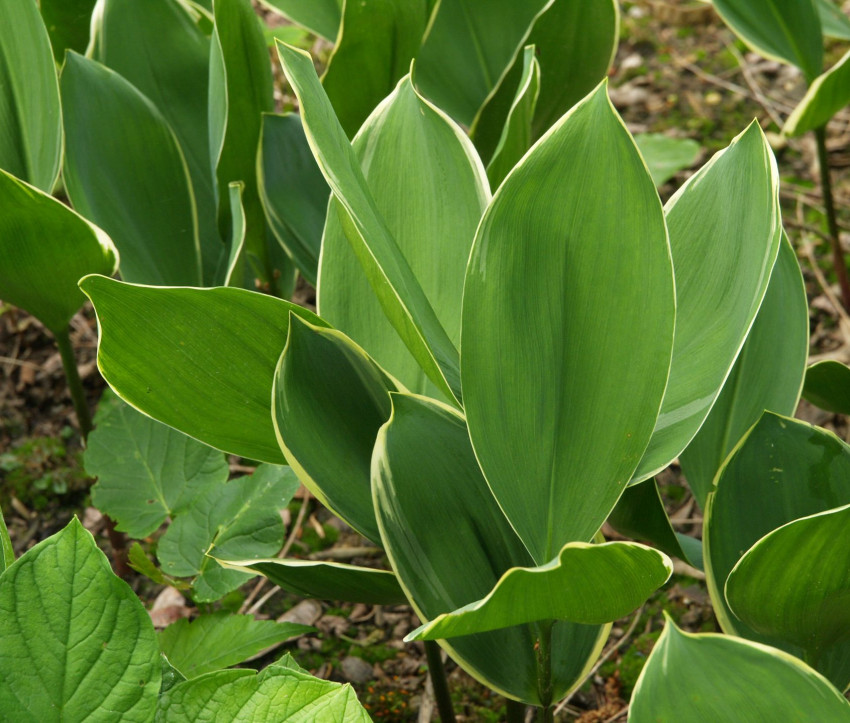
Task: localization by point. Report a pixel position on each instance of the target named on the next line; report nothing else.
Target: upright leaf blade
(7, 552)
(321, 16)
(825, 97)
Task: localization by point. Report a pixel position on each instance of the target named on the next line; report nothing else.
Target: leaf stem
(831, 218)
(75, 384)
(544, 670)
(438, 679)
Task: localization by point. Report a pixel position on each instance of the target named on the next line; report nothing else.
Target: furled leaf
(170, 675)
(242, 520)
(516, 135)
(725, 230)
(320, 16)
(781, 471)
(328, 402)
(277, 693)
(377, 41)
(221, 640)
(75, 641)
(67, 23)
(147, 471)
(834, 23)
(166, 352)
(691, 678)
(767, 374)
(828, 94)
(7, 552)
(390, 275)
(666, 156)
(174, 76)
(469, 47)
(232, 267)
(828, 386)
(426, 480)
(327, 580)
(294, 192)
(30, 115)
(111, 132)
(536, 371)
(787, 30)
(794, 584)
(44, 250)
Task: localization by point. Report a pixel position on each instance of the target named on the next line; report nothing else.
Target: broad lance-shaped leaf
(781, 471)
(74, 639)
(827, 386)
(666, 156)
(327, 580)
(725, 231)
(30, 114)
(767, 374)
(431, 190)
(399, 292)
(280, 692)
(328, 401)
(825, 97)
(147, 471)
(537, 373)
(590, 584)
(67, 23)
(685, 674)
(787, 30)
(166, 351)
(294, 192)
(425, 478)
(242, 520)
(834, 23)
(377, 41)
(111, 132)
(218, 641)
(320, 16)
(45, 248)
(794, 583)
(174, 76)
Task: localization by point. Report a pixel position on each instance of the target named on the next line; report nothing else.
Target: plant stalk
(831, 219)
(544, 670)
(438, 679)
(515, 711)
(75, 384)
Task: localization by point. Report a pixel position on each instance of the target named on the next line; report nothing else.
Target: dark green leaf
(828, 386)
(67, 23)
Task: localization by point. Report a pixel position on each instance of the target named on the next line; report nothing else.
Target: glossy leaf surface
(794, 583)
(45, 248)
(425, 476)
(827, 386)
(213, 334)
(400, 294)
(321, 16)
(825, 97)
(684, 673)
(74, 639)
(666, 156)
(67, 23)
(30, 115)
(112, 131)
(536, 372)
(767, 374)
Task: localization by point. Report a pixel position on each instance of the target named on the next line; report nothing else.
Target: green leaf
(827, 386)
(294, 192)
(141, 563)
(537, 374)
(786, 30)
(794, 583)
(767, 374)
(147, 471)
(161, 49)
(691, 678)
(327, 580)
(30, 114)
(232, 267)
(7, 552)
(112, 131)
(67, 23)
(170, 675)
(426, 481)
(834, 22)
(328, 402)
(468, 48)
(725, 229)
(44, 249)
(666, 156)
(75, 640)
(516, 134)
(781, 471)
(166, 352)
(277, 693)
(221, 640)
(242, 520)
(432, 214)
(322, 17)
(828, 94)
(376, 43)
(402, 298)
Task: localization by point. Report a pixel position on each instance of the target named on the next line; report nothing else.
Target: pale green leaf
(7, 552)
(320, 16)
(828, 386)
(825, 97)
(834, 22)
(232, 267)
(666, 156)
